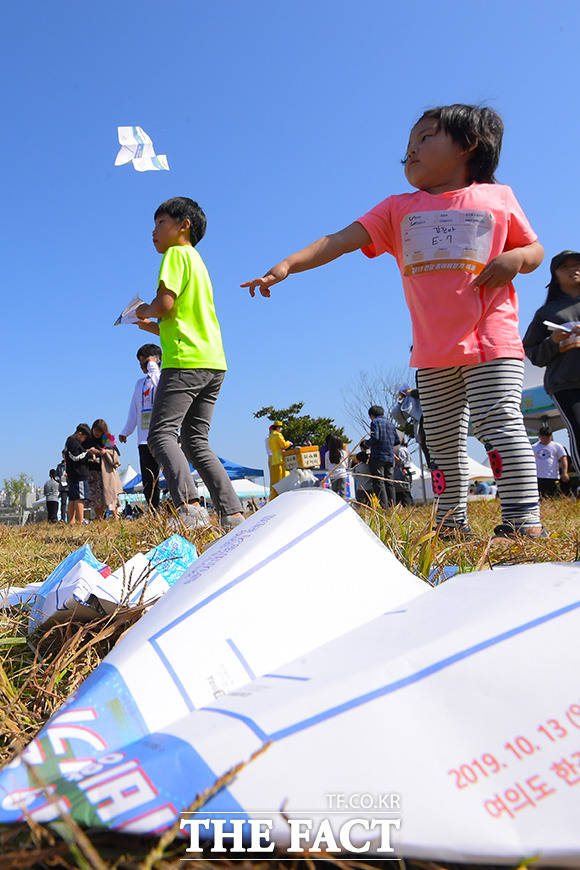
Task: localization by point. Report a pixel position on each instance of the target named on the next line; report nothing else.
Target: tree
(299, 428)
(380, 388)
(16, 488)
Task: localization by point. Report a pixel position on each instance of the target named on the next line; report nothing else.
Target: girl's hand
(272, 276)
(501, 270)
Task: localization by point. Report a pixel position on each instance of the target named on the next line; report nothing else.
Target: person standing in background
(77, 471)
(51, 493)
(139, 417)
(381, 444)
(558, 349)
(277, 443)
(551, 463)
(62, 486)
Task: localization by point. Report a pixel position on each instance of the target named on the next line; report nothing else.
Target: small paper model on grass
(137, 148)
(82, 588)
(128, 315)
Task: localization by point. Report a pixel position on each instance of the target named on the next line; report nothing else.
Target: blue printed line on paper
(238, 654)
(153, 640)
(248, 573)
(409, 680)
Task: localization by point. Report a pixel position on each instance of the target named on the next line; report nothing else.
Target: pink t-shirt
(441, 242)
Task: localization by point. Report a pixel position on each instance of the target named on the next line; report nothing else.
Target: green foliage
(16, 487)
(302, 427)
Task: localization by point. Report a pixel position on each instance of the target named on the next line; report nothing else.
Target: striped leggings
(493, 391)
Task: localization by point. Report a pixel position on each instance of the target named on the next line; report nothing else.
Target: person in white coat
(139, 417)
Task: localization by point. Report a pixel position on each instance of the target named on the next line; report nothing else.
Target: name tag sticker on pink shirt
(439, 240)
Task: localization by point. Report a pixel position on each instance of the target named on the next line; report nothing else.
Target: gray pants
(185, 399)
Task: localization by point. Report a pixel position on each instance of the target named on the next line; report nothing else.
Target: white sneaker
(192, 516)
(230, 521)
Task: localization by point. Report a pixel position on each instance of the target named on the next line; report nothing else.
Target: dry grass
(38, 673)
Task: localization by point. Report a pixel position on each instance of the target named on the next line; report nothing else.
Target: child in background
(139, 417)
(52, 495)
(335, 462)
(194, 367)
(363, 482)
(459, 240)
(105, 483)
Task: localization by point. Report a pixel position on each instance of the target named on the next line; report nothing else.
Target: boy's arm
(161, 305)
(132, 416)
(317, 254)
(504, 268)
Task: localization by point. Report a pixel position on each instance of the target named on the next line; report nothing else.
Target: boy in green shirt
(193, 369)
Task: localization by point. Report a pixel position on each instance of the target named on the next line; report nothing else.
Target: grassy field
(37, 673)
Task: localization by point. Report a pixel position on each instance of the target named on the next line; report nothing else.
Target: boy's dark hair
(469, 126)
(377, 411)
(147, 350)
(545, 430)
(554, 289)
(52, 472)
(182, 208)
(84, 429)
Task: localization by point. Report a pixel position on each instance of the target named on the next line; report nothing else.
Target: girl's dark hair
(335, 445)
(554, 290)
(469, 126)
(182, 208)
(102, 426)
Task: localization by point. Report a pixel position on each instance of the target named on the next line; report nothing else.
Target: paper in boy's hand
(128, 315)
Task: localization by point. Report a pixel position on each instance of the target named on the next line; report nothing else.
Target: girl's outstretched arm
(317, 254)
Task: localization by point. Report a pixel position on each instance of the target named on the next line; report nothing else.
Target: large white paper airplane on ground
(300, 637)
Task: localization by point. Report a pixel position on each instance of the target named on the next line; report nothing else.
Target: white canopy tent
(477, 471)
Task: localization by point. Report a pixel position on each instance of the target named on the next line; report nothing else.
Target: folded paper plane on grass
(82, 588)
(137, 148)
(299, 632)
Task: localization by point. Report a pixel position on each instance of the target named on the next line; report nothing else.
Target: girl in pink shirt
(459, 240)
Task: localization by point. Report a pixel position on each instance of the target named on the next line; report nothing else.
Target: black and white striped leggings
(493, 392)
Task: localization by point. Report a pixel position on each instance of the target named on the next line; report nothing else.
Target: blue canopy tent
(234, 472)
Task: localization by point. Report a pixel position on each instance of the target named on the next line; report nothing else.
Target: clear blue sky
(285, 121)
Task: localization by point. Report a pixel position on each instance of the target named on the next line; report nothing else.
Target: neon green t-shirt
(190, 333)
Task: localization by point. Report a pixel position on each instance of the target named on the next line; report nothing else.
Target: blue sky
(285, 121)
